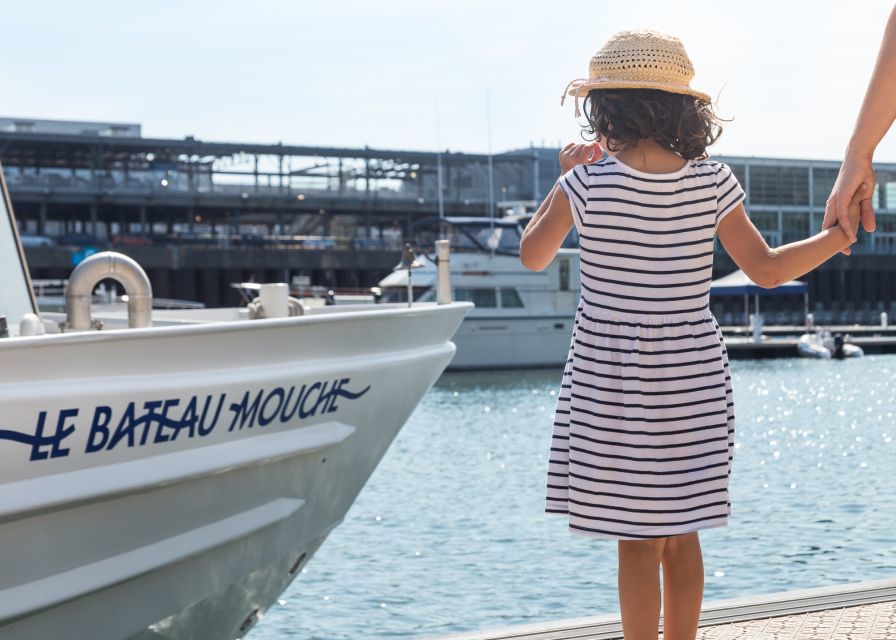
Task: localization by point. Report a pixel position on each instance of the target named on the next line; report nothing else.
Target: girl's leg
(682, 586)
(639, 587)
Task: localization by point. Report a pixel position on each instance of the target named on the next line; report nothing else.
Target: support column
(94, 220)
(42, 219)
(144, 224)
(256, 172)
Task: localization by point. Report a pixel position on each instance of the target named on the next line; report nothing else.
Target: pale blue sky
(350, 73)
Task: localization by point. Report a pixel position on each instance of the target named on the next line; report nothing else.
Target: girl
(644, 427)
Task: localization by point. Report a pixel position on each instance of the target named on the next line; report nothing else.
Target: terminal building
(199, 214)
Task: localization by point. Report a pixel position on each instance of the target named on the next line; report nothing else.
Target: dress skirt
(643, 435)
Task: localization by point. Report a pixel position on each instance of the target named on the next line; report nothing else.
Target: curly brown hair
(681, 123)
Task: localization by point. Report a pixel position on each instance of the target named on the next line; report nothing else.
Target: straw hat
(640, 59)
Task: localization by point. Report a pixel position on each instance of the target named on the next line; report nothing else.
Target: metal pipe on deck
(100, 266)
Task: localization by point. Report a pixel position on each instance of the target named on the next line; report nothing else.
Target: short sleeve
(728, 192)
(574, 184)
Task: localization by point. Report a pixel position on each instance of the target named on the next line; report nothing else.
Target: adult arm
(875, 118)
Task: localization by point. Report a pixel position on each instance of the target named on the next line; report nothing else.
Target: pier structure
(856, 611)
(200, 214)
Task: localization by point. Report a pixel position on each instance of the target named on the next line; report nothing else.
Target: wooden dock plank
(857, 611)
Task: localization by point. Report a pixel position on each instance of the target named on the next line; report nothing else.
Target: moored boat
(169, 475)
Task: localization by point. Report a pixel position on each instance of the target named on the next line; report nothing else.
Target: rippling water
(449, 534)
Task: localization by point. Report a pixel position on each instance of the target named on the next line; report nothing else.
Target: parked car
(131, 240)
(36, 241)
(80, 240)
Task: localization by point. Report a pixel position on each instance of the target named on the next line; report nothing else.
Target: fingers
(869, 223)
(575, 153)
(843, 219)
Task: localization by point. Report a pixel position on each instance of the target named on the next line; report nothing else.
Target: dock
(781, 341)
(856, 611)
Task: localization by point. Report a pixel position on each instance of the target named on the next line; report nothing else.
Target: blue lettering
(102, 415)
(303, 413)
(244, 412)
(203, 430)
(125, 428)
(265, 418)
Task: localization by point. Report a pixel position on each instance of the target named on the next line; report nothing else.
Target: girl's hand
(856, 211)
(855, 174)
(574, 154)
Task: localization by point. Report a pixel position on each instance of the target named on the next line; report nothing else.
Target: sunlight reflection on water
(449, 534)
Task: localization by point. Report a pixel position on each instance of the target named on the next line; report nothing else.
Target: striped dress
(643, 431)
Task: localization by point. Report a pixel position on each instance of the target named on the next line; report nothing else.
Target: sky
(463, 75)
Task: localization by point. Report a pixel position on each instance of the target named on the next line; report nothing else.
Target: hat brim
(581, 90)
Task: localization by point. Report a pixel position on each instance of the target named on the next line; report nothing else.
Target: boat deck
(859, 611)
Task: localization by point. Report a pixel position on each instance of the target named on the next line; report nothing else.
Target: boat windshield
(472, 234)
(15, 290)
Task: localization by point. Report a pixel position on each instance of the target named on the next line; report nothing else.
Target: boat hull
(177, 479)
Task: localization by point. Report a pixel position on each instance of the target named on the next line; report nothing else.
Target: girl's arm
(769, 267)
(875, 118)
(550, 225)
(546, 231)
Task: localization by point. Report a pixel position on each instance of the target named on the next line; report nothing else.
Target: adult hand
(855, 173)
(573, 154)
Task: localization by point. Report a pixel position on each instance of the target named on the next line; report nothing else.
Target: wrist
(842, 236)
(858, 149)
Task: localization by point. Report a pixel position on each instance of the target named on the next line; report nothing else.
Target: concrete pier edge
(609, 626)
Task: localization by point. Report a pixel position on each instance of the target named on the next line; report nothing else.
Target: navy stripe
(686, 336)
(682, 323)
(634, 510)
(652, 180)
(741, 196)
(708, 387)
(653, 285)
(649, 258)
(610, 416)
(648, 192)
(650, 231)
(608, 294)
(646, 524)
(652, 272)
(610, 494)
(638, 405)
(658, 352)
(722, 438)
(652, 245)
(654, 205)
(652, 219)
(639, 472)
(641, 432)
(655, 312)
(725, 195)
(665, 485)
(570, 189)
(640, 379)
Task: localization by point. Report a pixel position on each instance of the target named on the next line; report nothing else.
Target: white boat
(821, 344)
(522, 318)
(169, 481)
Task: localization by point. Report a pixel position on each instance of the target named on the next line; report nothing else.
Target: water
(449, 534)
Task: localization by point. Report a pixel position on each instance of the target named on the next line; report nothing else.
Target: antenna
(491, 172)
(439, 165)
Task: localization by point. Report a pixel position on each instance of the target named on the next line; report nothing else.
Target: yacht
(166, 474)
(521, 318)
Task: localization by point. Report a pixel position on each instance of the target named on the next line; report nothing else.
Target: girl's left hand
(574, 154)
